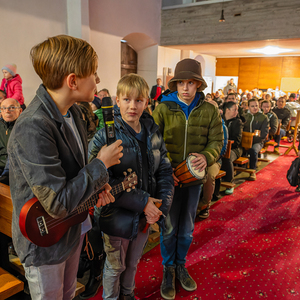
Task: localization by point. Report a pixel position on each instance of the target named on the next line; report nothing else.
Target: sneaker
(186, 281)
(252, 177)
(167, 288)
(229, 191)
(276, 151)
(204, 213)
(297, 189)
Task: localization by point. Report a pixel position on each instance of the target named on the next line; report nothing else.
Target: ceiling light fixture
(222, 19)
(271, 50)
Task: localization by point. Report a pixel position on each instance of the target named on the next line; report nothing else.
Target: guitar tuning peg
(133, 187)
(129, 170)
(124, 173)
(128, 190)
(130, 184)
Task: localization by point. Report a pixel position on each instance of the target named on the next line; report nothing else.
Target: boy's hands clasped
(151, 211)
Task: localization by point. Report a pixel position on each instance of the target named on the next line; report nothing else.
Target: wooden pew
(8, 283)
(223, 173)
(247, 139)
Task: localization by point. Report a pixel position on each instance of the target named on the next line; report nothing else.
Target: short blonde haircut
(61, 55)
(133, 85)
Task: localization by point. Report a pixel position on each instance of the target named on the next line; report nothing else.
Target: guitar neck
(116, 189)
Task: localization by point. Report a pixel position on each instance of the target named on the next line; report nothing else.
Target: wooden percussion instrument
(186, 173)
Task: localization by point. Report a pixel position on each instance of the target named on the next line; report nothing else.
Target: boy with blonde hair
(48, 159)
(123, 222)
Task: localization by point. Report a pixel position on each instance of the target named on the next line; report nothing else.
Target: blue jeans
(277, 138)
(253, 152)
(176, 238)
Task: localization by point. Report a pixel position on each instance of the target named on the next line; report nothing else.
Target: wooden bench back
(247, 140)
(6, 209)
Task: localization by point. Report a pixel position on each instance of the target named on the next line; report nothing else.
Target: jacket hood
(173, 97)
(16, 78)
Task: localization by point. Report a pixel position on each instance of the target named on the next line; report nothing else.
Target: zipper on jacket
(251, 123)
(185, 138)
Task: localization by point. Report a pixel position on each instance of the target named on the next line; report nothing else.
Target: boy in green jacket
(189, 125)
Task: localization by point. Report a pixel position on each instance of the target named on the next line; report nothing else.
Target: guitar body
(32, 217)
(44, 231)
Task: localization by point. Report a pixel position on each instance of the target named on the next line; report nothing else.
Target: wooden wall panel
(261, 72)
(248, 73)
(227, 67)
(269, 72)
(291, 66)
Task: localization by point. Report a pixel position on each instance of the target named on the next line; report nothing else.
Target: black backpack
(293, 172)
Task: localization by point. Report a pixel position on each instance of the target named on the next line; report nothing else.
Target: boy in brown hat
(189, 125)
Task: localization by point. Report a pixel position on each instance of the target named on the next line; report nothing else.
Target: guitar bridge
(42, 225)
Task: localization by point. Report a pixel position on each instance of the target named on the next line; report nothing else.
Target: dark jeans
(176, 238)
(277, 138)
(253, 152)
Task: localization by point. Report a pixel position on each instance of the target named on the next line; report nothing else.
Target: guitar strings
(51, 223)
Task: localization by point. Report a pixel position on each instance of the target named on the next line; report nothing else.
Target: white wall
(109, 23)
(108, 48)
(23, 25)
(103, 23)
(147, 64)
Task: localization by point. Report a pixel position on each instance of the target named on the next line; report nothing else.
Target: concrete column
(74, 21)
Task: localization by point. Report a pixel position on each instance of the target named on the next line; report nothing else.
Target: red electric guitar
(44, 231)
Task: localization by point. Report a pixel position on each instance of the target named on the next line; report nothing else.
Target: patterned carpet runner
(248, 248)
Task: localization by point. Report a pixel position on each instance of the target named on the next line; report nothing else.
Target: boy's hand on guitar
(151, 209)
(105, 197)
(110, 155)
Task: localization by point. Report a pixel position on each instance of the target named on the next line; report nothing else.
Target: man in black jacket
(10, 111)
(284, 116)
(156, 91)
(273, 120)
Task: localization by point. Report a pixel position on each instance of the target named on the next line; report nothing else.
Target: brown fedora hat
(187, 68)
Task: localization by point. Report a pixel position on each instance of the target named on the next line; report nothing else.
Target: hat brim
(186, 75)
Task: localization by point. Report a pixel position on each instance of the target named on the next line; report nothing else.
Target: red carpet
(247, 249)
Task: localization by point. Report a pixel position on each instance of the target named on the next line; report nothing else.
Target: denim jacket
(46, 162)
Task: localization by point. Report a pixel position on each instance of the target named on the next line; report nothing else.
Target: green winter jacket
(201, 133)
(259, 121)
(99, 115)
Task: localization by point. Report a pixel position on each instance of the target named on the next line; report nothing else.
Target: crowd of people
(57, 152)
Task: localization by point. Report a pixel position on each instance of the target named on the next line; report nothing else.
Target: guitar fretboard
(94, 198)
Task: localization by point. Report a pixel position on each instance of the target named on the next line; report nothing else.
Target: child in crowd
(189, 125)
(124, 221)
(48, 160)
(256, 120)
(96, 106)
(12, 84)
